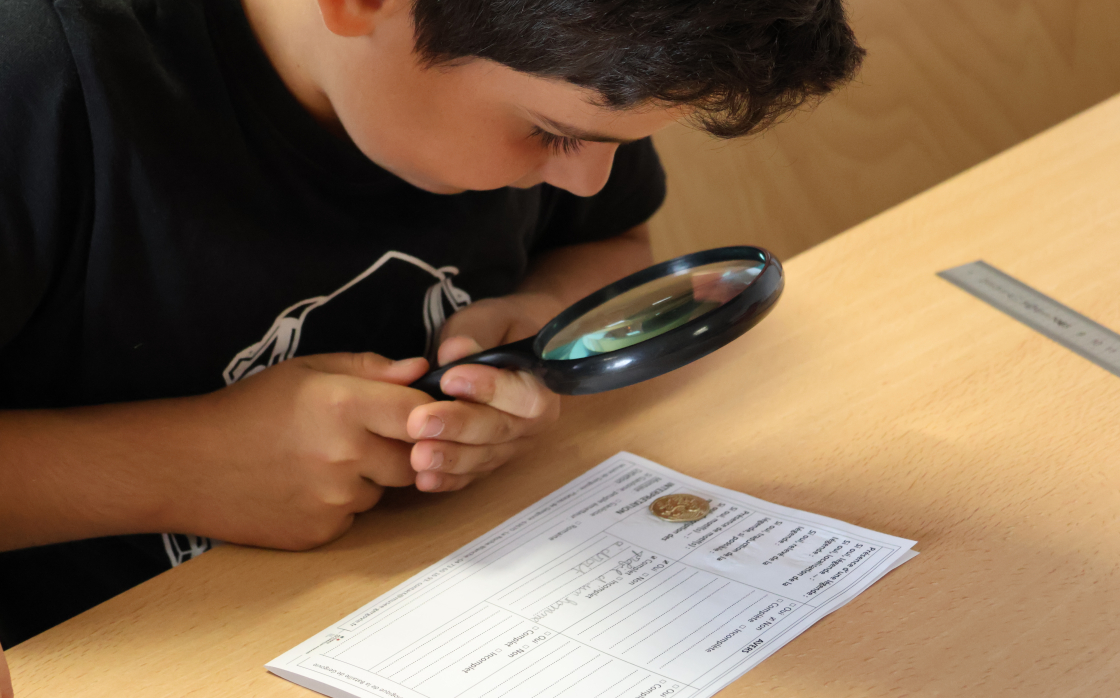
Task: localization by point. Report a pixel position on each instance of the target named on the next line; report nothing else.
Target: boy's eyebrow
(578, 133)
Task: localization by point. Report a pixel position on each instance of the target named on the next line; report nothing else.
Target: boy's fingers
(514, 392)
(487, 321)
(503, 406)
(367, 496)
(368, 366)
(444, 482)
(456, 348)
(468, 423)
(460, 459)
(391, 466)
(382, 409)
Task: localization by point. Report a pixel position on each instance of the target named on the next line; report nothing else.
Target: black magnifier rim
(668, 351)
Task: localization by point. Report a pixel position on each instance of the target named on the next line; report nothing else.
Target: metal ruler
(1067, 327)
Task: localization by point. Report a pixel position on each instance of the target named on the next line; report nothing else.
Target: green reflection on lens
(652, 309)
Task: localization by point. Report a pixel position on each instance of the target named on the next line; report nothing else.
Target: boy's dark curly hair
(741, 64)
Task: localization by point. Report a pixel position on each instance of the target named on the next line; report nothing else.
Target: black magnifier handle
(516, 355)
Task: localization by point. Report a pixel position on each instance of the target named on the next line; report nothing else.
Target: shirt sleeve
(633, 193)
(44, 159)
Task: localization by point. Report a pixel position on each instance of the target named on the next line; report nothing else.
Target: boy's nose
(583, 173)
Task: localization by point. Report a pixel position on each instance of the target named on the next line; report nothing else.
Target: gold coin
(680, 507)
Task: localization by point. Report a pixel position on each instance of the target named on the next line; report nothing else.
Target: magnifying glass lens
(652, 309)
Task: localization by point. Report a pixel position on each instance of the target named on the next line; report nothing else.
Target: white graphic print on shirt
(282, 339)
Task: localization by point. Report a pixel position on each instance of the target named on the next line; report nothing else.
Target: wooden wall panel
(947, 84)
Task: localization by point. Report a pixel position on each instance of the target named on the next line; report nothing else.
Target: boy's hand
(310, 443)
(495, 410)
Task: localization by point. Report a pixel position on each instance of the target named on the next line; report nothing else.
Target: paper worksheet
(587, 593)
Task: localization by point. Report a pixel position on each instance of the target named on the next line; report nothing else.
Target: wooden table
(876, 393)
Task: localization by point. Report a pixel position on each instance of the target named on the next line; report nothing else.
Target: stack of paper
(588, 593)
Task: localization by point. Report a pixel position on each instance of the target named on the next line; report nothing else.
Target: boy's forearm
(91, 471)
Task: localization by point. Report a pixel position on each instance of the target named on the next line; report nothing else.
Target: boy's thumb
(456, 348)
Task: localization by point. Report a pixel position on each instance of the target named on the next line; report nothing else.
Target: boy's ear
(354, 17)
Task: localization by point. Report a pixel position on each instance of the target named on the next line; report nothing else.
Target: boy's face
(475, 125)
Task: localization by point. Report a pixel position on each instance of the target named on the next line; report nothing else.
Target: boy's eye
(557, 144)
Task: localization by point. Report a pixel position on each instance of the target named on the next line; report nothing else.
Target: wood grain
(946, 85)
(876, 393)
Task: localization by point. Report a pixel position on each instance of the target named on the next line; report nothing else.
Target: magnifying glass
(640, 327)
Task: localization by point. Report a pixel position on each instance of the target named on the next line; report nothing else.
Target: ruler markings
(1038, 311)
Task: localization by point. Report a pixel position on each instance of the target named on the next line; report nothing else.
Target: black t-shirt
(172, 220)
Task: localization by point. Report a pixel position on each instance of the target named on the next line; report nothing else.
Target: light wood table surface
(875, 393)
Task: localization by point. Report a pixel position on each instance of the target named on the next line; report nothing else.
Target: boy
(225, 226)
